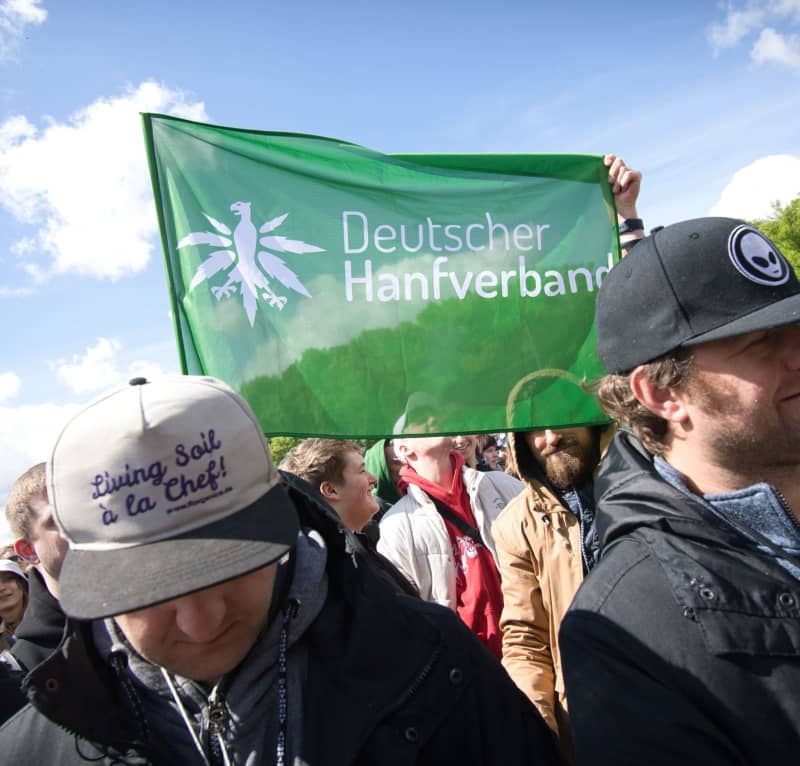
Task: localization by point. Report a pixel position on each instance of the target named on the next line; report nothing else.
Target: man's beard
(572, 465)
(741, 442)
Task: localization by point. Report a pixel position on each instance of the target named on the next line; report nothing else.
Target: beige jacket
(538, 547)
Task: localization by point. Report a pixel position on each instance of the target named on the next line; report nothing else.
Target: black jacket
(40, 631)
(391, 680)
(37, 636)
(683, 645)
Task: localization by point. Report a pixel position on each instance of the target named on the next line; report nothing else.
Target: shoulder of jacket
(516, 513)
(508, 486)
(532, 503)
(499, 481)
(30, 737)
(412, 502)
(444, 621)
(625, 559)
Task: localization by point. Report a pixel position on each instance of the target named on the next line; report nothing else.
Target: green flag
(346, 292)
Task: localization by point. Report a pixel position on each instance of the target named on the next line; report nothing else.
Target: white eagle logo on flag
(244, 263)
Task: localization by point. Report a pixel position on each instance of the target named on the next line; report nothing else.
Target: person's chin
(210, 660)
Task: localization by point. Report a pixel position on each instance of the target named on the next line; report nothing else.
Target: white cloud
(15, 15)
(26, 435)
(774, 47)
(753, 189)
(789, 8)
(100, 367)
(762, 16)
(144, 368)
(736, 25)
(84, 184)
(9, 385)
(94, 370)
(14, 292)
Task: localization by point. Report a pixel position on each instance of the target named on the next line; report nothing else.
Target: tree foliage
(783, 228)
(280, 445)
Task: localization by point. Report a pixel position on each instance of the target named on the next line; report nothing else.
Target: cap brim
(779, 314)
(95, 584)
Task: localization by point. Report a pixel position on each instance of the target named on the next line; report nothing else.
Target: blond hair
(319, 460)
(32, 484)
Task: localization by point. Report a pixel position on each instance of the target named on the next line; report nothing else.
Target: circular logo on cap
(756, 258)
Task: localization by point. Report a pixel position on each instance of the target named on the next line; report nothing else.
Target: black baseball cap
(691, 283)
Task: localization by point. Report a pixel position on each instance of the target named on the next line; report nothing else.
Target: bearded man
(684, 644)
(546, 543)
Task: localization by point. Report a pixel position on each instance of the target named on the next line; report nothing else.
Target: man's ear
(24, 550)
(667, 403)
(328, 490)
(403, 450)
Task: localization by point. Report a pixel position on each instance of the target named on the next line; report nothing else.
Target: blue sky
(703, 97)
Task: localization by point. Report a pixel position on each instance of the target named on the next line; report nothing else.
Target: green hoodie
(375, 460)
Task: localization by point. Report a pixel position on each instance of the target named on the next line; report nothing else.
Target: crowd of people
(618, 594)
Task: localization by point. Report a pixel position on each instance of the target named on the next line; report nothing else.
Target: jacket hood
(375, 460)
(521, 461)
(40, 631)
(631, 494)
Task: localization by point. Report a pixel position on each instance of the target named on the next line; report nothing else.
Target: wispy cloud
(773, 47)
(9, 385)
(15, 16)
(26, 436)
(736, 25)
(100, 366)
(94, 369)
(763, 16)
(753, 189)
(14, 292)
(83, 184)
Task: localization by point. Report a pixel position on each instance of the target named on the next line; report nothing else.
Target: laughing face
(12, 593)
(352, 497)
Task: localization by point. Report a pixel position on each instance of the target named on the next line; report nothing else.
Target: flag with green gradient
(346, 292)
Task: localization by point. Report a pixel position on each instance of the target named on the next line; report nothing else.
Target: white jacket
(414, 536)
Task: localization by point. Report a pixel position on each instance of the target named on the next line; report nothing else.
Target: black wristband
(630, 224)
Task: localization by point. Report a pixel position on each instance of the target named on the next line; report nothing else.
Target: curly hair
(30, 485)
(672, 370)
(319, 460)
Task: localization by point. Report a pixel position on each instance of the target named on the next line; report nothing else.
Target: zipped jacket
(415, 539)
(538, 544)
(37, 636)
(390, 680)
(683, 645)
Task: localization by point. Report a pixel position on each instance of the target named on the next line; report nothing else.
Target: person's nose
(552, 437)
(200, 616)
(546, 438)
(372, 480)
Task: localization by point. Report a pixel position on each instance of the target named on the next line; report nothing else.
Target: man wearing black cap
(684, 644)
(221, 614)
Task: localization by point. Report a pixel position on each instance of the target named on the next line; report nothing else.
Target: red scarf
(479, 599)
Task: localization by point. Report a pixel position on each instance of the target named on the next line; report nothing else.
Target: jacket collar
(72, 687)
(743, 600)
(41, 630)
